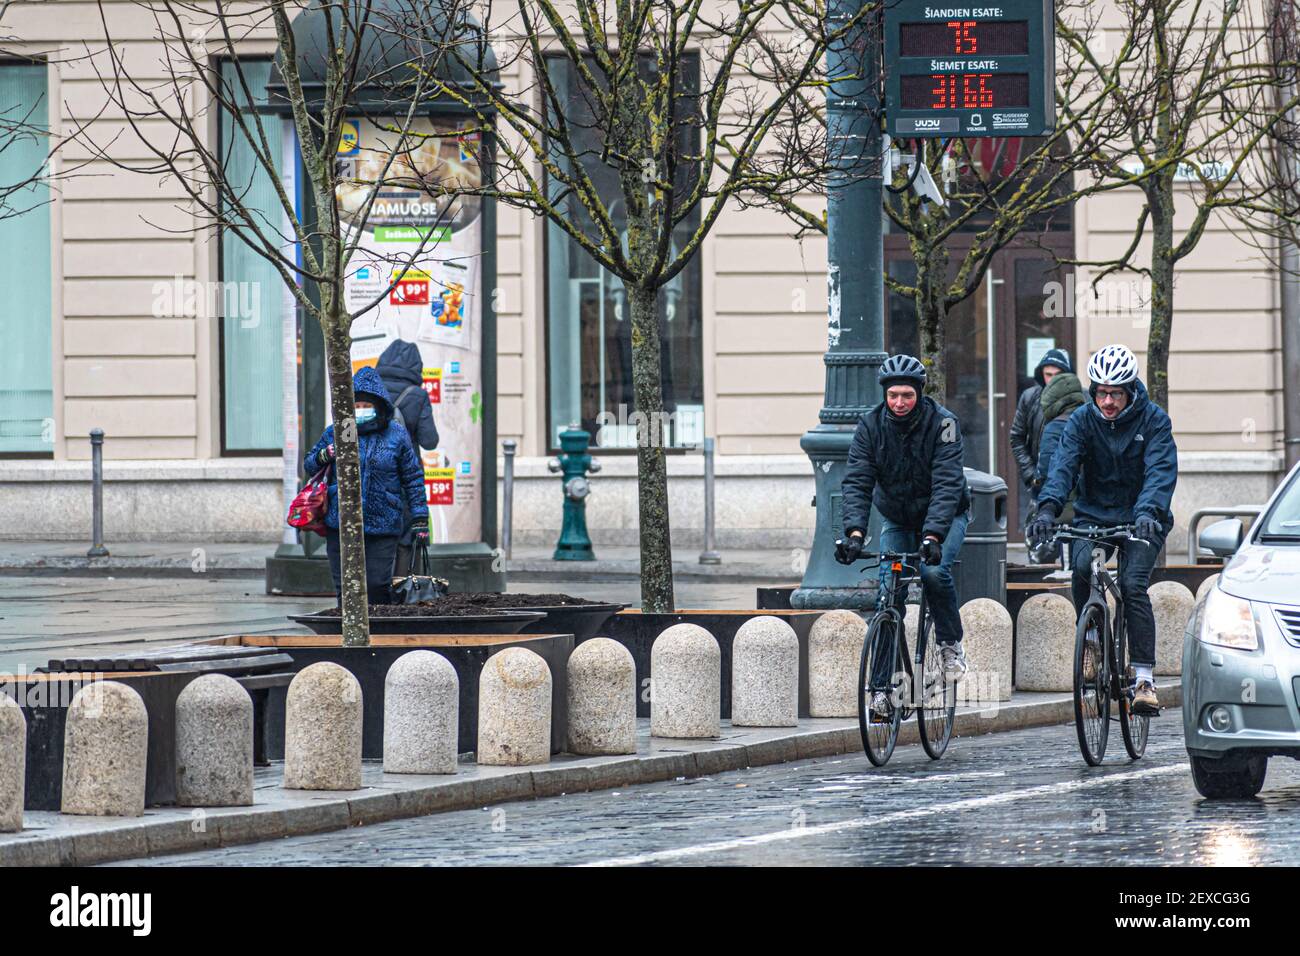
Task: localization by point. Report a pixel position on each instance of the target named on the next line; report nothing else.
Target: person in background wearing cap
(1027, 426)
(392, 486)
(906, 460)
(1119, 448)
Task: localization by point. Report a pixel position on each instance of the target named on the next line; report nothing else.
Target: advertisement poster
(435, 298)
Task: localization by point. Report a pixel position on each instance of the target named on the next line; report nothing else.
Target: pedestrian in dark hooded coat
(1027, 426)
(402, 369)
(392, 486)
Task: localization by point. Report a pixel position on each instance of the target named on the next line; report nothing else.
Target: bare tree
(370, 62)
(1199, 99)
(616, 92)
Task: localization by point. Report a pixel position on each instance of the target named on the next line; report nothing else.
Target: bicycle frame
(887, 604)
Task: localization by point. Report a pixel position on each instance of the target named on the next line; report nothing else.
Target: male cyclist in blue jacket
(1120, 447)
(906, 460)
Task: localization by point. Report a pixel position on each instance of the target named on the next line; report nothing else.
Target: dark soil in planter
(493, 599)
(425, 609)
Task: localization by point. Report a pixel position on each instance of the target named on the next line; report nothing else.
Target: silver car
(1241, 651)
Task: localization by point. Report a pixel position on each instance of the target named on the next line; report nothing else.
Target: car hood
(1264, 573)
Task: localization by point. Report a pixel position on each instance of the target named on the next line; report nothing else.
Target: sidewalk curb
(298, 813)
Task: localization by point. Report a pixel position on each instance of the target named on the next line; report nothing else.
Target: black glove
(931, 552)
(1041, 526)
(1147, 528)
(848, 550)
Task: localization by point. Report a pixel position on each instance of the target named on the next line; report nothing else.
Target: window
(26, 361)
(589, 336)
(251, 291)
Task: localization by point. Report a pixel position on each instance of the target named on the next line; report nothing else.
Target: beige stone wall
(152, 382)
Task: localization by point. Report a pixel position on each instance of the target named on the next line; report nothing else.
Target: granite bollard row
(602, 699)
(214, 744)
(421, 714)
(765, 674)
(105, 747)
(987, 633)
(834, 656)
(686, 683)
(1172, 604)
(322, 729)
(1045, 629)
(514, 709)
(13, 760)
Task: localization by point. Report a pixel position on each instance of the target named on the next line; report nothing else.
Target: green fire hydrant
(572, 466)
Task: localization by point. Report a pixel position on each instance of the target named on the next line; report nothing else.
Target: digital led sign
(969, 71)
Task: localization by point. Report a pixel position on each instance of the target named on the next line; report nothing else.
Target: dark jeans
(1135, 564)
(937, 582)
(381, 551)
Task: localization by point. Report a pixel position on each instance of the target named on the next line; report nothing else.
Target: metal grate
(1288, 618)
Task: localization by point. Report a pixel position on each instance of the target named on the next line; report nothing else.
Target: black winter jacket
(1026, 428)
(400, 367)
(911, 473)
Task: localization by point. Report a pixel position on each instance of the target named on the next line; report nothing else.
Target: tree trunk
(352, 542)
(1162, 290)
(652, 470)
(931, 317)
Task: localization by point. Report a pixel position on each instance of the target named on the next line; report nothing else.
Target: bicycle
(884, 652)
(1101, 634)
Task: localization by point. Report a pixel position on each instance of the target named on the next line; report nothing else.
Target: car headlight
(1229, 622)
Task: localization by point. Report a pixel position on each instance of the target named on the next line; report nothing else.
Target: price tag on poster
(439, 486)
(433, 385)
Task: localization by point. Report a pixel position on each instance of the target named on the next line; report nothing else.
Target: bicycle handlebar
(1125, 531)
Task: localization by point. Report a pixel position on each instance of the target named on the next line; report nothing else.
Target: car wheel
(1229, 778)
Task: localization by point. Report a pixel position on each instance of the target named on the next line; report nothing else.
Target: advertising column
(427, 246)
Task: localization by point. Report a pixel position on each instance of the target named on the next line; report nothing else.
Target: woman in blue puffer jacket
(392, 486)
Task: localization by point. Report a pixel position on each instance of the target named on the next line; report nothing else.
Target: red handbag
(307, 512)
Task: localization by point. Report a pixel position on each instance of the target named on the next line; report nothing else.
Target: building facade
(119, 315)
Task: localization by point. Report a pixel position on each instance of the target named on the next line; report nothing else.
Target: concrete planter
(637, 632)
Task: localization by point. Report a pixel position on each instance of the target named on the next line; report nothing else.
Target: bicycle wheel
(938, 697)
(1091, 697)
(1134, 728)
(880, 735)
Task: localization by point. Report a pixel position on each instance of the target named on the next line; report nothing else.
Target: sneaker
(954, 661)
(880, 709)
(1091, 654)
(1145, 700)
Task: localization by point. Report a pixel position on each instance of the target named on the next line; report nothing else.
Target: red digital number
(945, 94)
(963, 36)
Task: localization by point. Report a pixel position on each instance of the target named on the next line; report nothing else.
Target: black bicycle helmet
(901, 370)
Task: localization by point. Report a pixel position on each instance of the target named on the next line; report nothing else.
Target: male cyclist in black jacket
(906, 460)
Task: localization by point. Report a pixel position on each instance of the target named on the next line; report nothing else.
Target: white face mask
(365, 415)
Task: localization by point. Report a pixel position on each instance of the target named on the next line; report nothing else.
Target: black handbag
(419, 586)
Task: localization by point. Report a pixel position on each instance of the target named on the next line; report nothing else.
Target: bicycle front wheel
(1091, 684)
(881, 654)
(937, 704)
(1134, 728)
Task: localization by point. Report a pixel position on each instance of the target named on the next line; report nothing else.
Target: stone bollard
(686, 683)
(214, 744)
(765, 674)
(834, 658)
(13, 764)
(1206, 586)
(514, 709)
(987, 629)
(602, 698)
(1172, 604)
(105, 748)
(322, 729)
(421, 714)
(1045, 630)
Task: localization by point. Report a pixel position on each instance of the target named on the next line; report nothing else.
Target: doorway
(994, 340)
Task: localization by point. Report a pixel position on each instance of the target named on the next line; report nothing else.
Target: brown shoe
(1145, 700)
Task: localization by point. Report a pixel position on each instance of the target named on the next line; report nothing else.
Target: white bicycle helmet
(1113, 365)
